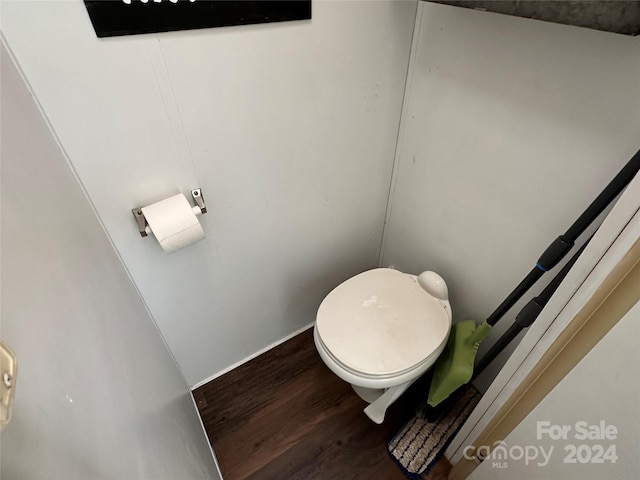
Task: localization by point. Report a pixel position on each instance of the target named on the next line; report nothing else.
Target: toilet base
(379, 399)
(377, 409)
(369, 395)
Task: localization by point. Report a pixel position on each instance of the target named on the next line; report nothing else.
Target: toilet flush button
(434, 284)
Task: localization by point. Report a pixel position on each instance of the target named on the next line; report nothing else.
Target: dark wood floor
(285, 416)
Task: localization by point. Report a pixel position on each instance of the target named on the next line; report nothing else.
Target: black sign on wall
(129, 17)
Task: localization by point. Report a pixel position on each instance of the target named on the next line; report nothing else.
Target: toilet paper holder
(142, 222)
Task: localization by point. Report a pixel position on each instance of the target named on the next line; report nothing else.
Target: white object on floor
(381, 330)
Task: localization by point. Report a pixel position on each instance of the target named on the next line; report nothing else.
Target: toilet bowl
(381, 330)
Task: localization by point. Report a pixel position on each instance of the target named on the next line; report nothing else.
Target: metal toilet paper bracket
(142, 222)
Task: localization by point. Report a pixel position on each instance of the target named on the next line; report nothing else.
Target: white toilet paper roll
(173, 222)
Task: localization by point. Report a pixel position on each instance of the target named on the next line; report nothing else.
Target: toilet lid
(381, 322)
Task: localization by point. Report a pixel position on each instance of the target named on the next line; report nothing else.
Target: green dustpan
(455, 366)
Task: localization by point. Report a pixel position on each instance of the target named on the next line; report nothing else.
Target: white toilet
(381, 330)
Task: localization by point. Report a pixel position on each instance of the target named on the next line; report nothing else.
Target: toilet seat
(342, 368)
(382, 324)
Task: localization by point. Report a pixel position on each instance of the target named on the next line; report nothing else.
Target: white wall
(289, 129)
(98, 394)
(510, 128)
(602, 387)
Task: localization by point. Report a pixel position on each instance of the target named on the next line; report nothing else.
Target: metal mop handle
(527, 315)
(561, 245)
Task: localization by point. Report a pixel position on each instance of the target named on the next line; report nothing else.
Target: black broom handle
(527, 315)
(561, 245)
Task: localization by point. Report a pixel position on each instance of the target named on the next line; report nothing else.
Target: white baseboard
(252, 356)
